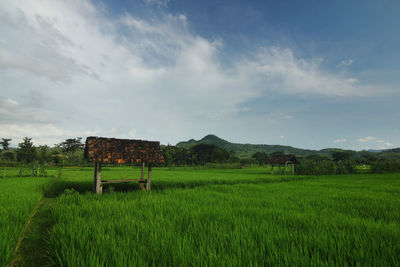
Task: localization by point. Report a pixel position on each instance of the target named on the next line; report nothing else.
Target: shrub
(384, 166)
(317, 167)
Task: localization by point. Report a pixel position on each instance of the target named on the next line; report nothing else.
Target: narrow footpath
(32, 248)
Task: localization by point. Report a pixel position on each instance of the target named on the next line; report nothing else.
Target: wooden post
(272, 169)
(142, 177)
(286, 163)
(148, 185)
(96, 165)
(97, 186)
(292, 168)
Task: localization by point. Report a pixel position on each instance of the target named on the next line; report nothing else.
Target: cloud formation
(344, 63)
(373, 142)
(341, 140)
(69, 69)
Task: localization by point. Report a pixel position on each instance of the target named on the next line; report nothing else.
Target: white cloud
(12, 102)
(375, 143)
(40, 134)
(66, 64)
(341, 140)
(159, 3)
(277, 69)
(366, 139)
(344, 63)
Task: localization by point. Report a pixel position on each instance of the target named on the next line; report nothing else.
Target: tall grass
(229, 217)
(18, 197)
(324, 167)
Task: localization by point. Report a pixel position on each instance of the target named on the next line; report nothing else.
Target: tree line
(70, 153)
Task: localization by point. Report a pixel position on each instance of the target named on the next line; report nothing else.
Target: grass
(18, 198)
(227, 217)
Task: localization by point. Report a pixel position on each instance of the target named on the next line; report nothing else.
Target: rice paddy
(200, 216)
(18, 198)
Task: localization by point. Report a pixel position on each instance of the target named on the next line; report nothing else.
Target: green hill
(245, 150)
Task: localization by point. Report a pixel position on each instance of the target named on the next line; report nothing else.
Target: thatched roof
(282, 159)
(112, 150)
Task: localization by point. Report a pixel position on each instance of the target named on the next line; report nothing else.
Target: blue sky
(310, 74)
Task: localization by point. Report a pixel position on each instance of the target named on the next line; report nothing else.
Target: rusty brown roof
(112, 150)
(282, 159)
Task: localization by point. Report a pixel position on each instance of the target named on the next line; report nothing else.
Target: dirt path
(32, 248)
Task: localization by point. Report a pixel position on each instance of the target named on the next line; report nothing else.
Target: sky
(309, 74)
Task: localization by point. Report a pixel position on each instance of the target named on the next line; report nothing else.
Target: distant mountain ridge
(247, 150)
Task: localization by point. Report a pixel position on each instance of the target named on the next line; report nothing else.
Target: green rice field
(18, 198)
(213, 217)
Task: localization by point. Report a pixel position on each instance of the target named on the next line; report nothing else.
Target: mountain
(245, 150)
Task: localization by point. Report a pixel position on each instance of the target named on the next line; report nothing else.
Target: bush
(385, 166)
(321, 167)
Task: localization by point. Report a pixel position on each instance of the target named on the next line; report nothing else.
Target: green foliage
(196, 155)
(243, 150)
(341, 156)
(5, 143)
(18, 198)
(205, 153)
(260, 157)
(26, 152)
(247, 150)
(385, 166)
(174, 155)
(71, 145)
(224, 217)
(8, 155)
(323, 167)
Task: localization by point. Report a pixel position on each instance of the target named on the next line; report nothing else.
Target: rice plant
(228, 217)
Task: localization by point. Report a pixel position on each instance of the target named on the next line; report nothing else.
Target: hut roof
(112, 150)
(282, 159)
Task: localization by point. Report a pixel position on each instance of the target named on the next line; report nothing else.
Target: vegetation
(385, 166)
(209, 216)
(18, 198)
(315, 167)
(209, 150)
(248, 150)
(228, 217)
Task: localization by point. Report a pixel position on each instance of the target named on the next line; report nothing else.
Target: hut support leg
(286, 167)
(97, 186)
(292, 168)
(142, 177)
(96, 164)
(148, 185)
(272, 169)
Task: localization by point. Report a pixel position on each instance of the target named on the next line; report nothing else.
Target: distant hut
(115, 151)
(282, 160)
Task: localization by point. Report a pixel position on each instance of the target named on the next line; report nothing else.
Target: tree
(44, 155)
(205, 153)
(5, 143)
(26, 152)
(260, 157)
(277, 153)
(340, 156)
(70, 145)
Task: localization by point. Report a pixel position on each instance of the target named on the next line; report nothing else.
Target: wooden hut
(282, 160)
(116, 151)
